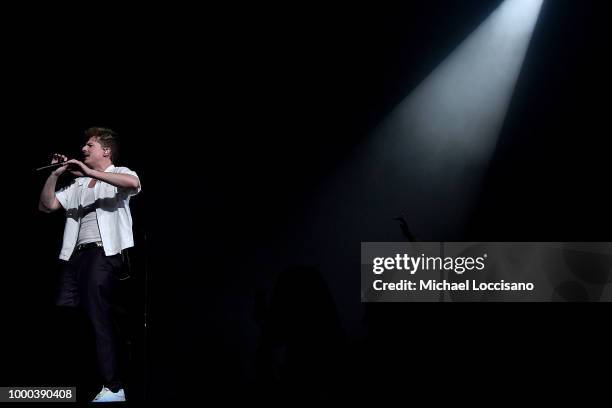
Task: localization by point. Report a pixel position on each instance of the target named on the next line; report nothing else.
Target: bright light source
(428, 157)
(440, 139)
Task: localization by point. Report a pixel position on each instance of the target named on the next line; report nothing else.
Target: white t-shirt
(88, 227)
(112, 212)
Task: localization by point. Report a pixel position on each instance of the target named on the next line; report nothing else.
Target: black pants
(92, 280)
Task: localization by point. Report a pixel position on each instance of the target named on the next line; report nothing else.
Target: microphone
(58, 164)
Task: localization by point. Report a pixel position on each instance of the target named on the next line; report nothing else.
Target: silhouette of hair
(301, 341)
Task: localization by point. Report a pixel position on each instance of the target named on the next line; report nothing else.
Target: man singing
(98, 228)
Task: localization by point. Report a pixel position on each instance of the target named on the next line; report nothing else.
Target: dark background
(234, 118)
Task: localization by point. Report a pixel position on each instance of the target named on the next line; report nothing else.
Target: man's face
(93, 152)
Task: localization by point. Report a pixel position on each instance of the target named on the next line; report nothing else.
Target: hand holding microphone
(57, 160)
(76, 167)
(61, 162)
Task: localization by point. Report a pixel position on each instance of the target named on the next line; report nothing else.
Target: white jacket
(112, 210)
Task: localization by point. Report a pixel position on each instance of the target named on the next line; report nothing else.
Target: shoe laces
(103, 391)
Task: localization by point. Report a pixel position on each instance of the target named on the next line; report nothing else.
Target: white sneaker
(106, 395)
